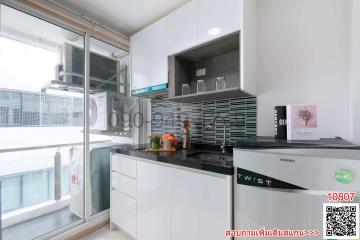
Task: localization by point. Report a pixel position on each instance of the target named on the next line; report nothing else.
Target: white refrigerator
(286, 188)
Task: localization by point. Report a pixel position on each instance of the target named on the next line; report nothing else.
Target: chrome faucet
(211, 125)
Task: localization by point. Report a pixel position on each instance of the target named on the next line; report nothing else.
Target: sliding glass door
(41, 126)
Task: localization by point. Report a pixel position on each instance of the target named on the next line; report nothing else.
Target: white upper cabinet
(151, 46)
(140, 59)
(182, 28)
(148, 56)
(218, 18)
(159, 48)
(195, 23)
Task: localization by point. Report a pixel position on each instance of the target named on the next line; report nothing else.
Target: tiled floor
(106, 234)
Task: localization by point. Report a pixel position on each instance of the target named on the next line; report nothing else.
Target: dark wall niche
(220, 58)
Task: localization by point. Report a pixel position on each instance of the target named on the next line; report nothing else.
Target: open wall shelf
(219, 58)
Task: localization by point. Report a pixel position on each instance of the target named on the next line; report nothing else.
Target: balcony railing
(18, 192)
(34, 177)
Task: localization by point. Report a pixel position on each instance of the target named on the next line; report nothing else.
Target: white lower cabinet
(123, 193)
(200, 206)
(123, 184)
(123, 212)
(182, 204)
(153, 201)
(123, 165)
(172, 203)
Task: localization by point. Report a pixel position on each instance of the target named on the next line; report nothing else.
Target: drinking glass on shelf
(201, 86)
(220, 83)
(185, 89)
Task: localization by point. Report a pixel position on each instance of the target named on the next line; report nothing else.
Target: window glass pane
(41, 125)
(107, 83)
(111, 112)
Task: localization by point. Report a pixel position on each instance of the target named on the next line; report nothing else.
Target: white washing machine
(286, 188)
(77, 177)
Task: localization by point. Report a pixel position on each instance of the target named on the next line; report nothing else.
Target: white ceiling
(124, 16)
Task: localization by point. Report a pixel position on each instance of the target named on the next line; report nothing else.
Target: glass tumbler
(201, 86)
(220, 83)
(185, 89)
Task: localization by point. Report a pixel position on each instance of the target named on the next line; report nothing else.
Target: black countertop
(182, 157)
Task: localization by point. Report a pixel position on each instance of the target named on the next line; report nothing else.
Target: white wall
(304, 57)
(355, 77)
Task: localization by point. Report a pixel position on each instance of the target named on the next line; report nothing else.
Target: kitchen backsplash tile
(239, 113)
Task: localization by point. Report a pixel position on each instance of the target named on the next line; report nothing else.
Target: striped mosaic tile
(239, 115)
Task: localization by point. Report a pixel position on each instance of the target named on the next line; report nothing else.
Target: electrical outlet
(201, 72)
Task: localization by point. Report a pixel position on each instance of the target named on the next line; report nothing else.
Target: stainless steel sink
(210, 157)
